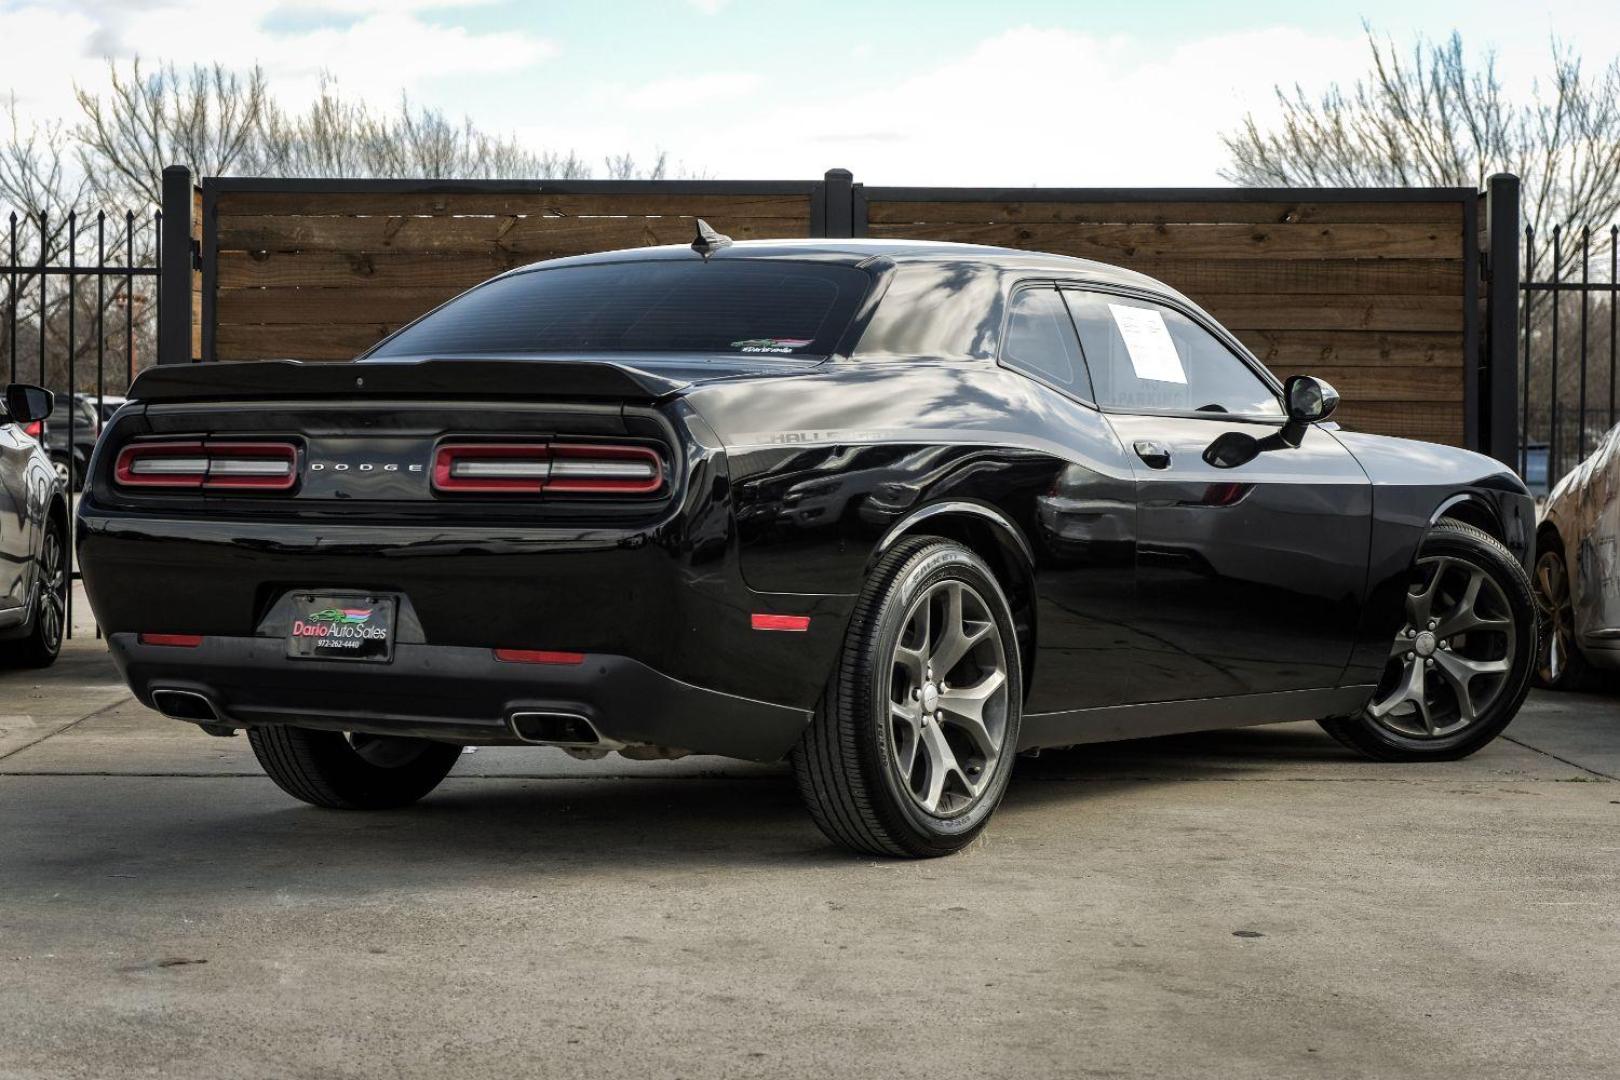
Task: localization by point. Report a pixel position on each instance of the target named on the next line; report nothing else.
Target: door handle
(1155, 455)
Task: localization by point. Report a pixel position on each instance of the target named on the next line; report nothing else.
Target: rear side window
(760, 307)
(1146, 357)
(1040, 342)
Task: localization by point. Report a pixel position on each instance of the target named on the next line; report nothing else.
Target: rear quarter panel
(830, 466)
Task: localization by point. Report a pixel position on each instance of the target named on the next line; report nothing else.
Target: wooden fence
(1365, 289)
(1379, 291)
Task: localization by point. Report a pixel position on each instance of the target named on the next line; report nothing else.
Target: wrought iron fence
(82, 295)
(1570, 350)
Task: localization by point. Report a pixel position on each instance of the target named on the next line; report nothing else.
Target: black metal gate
(1569, 351)
(82, 298)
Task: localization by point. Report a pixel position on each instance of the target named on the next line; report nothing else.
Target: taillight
(208, 464)
(36, 430)
(533, 468)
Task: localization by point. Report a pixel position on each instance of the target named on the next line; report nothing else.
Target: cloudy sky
(936, 91)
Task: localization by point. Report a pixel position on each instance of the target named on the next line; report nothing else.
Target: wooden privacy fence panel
(1364, 288)
(314, 271)
(1399, 297)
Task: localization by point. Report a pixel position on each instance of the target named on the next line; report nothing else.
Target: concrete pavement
(1256, 903)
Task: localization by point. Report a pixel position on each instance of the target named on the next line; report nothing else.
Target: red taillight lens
(533, 468)
(209, 464)
(36, 430)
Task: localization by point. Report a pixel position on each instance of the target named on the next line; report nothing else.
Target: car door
(1595, 574)
(1250, 576)
(16, 534)
(1082, 526)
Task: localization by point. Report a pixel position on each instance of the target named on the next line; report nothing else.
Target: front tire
(343, 771)
(44, 641)
(912, 746)
(1559, 662)
(1460, 666)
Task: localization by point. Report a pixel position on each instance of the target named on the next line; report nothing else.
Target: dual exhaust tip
(186, 705)
(567, 730)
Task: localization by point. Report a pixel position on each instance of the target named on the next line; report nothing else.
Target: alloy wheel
(53, 593)
(947, 700)
(1557, 610)
(1451, 659)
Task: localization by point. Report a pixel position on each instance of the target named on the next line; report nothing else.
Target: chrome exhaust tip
(186, 705)
(564, 729)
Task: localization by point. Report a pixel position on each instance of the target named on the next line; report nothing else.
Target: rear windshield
(754, 306)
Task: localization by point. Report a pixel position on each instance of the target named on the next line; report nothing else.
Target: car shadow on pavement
(502, 830)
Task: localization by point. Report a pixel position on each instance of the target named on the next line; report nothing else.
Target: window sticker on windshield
(1147, 340)
(770, 344)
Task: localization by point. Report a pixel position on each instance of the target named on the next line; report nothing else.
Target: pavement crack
(91, 715)
(1555, 757)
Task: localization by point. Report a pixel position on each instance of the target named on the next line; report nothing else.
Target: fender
(1015, 565)
(1478, 509)
(1472, 500)
(1006, 531)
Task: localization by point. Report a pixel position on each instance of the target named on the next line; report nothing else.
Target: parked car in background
(106, 404)
(1535, 468)
(33, 535)
(70, 445)
(894, 510)
(1577, 573)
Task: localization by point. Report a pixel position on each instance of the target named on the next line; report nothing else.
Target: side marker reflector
(539, 656)
(185, 641)
(762, 621)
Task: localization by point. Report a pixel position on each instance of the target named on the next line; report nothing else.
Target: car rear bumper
(457, 694)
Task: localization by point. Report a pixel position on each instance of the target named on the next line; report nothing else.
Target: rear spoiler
(280, 379)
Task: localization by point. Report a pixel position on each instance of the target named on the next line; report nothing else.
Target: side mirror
(1309, 399)
(25, 403)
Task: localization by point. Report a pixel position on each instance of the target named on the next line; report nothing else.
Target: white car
(1577, 574)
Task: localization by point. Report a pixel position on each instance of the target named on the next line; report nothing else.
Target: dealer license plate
(342, 626)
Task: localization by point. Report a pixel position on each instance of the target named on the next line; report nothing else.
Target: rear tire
(1460, 667)
(912, 746)
(351, 772)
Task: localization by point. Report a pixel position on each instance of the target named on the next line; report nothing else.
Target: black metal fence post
(1552, 379)
(1500, 435)
(1524, 375)
(174, 286)
(838, 218)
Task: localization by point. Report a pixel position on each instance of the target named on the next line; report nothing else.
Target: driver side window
(1146, 357)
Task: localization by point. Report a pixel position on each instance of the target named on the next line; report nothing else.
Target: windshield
(754, 306)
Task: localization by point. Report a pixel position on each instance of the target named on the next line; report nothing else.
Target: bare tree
(56, 178)
(224, 124)
(336, 136)
(48, 225)
(625, 167)
(1436, 116)
(208, 118)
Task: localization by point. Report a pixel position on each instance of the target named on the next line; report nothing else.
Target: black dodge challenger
(896, 511)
